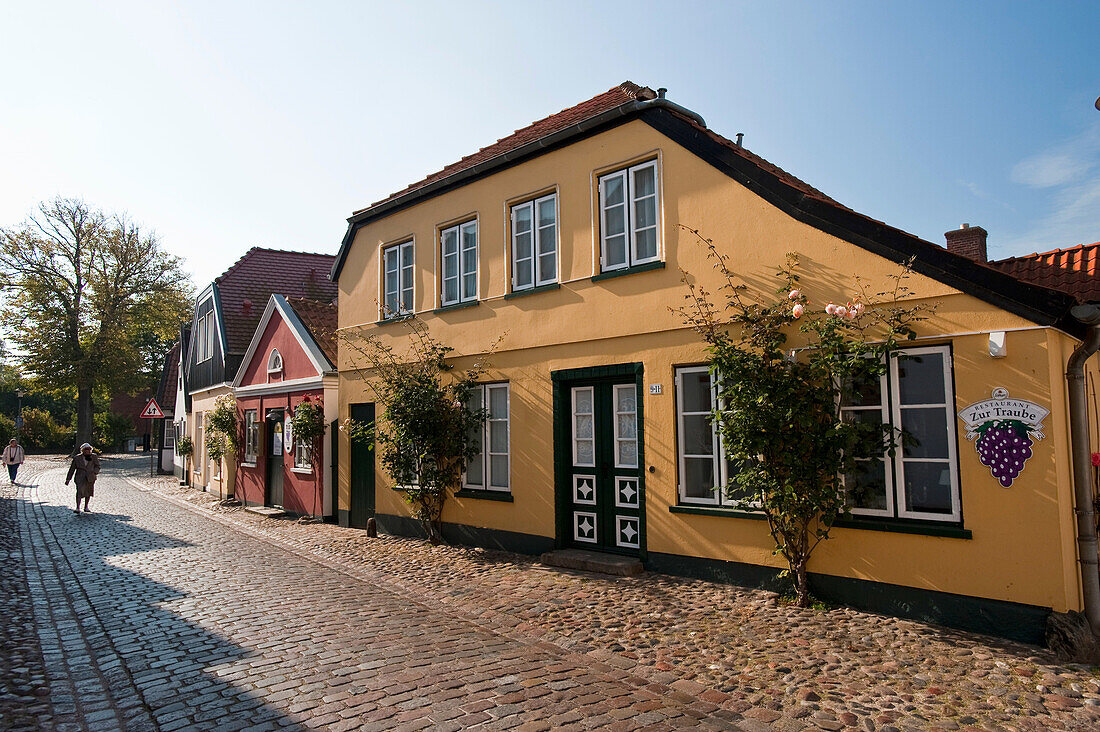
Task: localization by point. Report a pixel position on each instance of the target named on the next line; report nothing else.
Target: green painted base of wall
(509, 541)
(343, 518)
(1025, 623)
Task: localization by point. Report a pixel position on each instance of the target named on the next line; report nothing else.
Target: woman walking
(13, 457)
(85, 468)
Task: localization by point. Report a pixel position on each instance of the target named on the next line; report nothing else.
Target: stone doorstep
(589, 561)
(266, 511)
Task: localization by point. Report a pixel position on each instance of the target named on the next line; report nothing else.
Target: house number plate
(654, 388)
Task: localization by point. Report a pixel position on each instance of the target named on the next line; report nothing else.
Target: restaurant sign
(1004, 430)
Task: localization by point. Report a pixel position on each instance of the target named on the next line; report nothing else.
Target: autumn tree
(90, 301)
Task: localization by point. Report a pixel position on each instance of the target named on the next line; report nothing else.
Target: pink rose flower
(797, 310)
(1096, 459)
(795, 294)
(830, 309)
(841, 311)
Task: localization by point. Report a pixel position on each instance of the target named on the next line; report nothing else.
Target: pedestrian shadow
(184, 672)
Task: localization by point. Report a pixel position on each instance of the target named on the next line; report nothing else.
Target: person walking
(85, 468)
(13, 457)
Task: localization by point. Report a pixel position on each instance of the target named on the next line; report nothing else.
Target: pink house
(291, 359)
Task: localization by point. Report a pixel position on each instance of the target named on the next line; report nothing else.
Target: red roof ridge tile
(253, 250)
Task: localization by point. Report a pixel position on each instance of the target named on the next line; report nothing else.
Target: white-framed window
(303, 455)
(169, 434)
(251, 436)
(209, 317)
(204, 337)
(458, 248)
(535, 243)
(629, 217)
(199, 450)
(491, 468)
(274, 361)
(397, 279)
(916, 398)
(704, 468)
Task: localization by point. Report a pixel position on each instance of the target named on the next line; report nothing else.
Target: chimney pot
(661, 92)
(968, 241)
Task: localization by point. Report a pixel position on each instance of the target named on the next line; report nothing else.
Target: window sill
(533, 290)
(246, 464)
(394, 319)
(455, 306)
(485, 495)
(717, 511)
(628, 271)
(302, 471)
(904, 527)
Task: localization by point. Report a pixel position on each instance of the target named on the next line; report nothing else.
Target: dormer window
(275, 362)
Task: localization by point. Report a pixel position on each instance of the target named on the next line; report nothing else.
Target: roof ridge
(627, 88)
(254, 249)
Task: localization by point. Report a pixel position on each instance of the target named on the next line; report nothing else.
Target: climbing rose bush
(780, 419)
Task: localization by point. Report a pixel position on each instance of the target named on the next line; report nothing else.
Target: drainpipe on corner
(1082, 462)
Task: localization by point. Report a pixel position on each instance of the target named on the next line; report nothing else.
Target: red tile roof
(245, 287)
(320, 319)
(1075, 271)
(614, 97)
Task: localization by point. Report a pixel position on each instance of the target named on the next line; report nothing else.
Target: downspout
(1082, 462)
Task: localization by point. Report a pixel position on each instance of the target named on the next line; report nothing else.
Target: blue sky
(225, 125)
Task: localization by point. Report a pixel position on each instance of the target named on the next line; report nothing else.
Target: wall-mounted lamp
(997, 348)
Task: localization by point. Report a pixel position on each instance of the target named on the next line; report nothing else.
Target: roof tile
(1073, 271)
(320, 319)
(245, 287)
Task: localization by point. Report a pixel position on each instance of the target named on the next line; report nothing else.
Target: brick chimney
(969, 241)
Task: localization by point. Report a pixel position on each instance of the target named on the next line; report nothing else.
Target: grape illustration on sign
(1005, 430)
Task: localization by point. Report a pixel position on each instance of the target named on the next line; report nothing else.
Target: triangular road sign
(152, 410)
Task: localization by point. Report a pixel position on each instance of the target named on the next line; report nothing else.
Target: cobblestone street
(165, 610)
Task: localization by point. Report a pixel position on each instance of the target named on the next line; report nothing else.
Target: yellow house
(568, 238)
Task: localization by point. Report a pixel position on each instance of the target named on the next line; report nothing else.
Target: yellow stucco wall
(1022, 548)
(203, 473)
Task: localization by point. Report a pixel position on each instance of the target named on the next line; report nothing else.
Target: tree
(424, 437)
(89, 300)
(790, 446)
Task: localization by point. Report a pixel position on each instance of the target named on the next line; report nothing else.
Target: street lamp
(19, 410)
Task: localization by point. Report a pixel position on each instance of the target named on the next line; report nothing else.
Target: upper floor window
(204, 337)
(915, 398)
(535, 243)
(629, 232)
(397, 280)
(459, 250)
(274, 362)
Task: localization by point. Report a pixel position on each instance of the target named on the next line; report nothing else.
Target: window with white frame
(535, 243)
(303, 454)
(490, 468)
(397, 280)
(629, 213)
(704, 468)
(169, 434)
(251, 436)
(209, 317)
(915, 397)
(274, 361)
(458, 246)
(200, 444)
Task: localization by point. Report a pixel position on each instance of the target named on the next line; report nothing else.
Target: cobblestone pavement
(776, 666)
(152, 616)
(216, 618)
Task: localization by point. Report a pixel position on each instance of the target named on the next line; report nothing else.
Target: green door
(361, 472)
(603, 482)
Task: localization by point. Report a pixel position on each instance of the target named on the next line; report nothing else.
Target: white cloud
(1063, 164)
(1071, 172)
